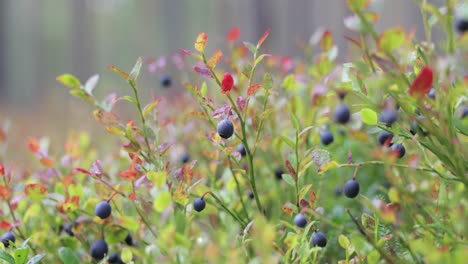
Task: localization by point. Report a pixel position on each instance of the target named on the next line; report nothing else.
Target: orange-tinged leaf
(422, 83)
(106, 118)
(287, 209)
(233, 34)
(132, 196)
(151, 106)
(180, 196)
(33, 144)
(5, 225)
(312, 197)
(215, 58)
(262, 39)
(5, 192)
(35, 189)
(435, 189)
(326, 42)
(47, 162)
(121, 73)
(254, 88)
(200, 43)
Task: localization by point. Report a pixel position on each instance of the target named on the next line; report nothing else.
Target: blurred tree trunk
(3, 51)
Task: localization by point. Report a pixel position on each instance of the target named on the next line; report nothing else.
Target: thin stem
(378, 162)
(239, 192)
(237, 218)
(144, 220)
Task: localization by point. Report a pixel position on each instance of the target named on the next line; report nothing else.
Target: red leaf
(227, 83)
(132, 196)
(422, 83)
(83, 171)
(254, 88)
(129, 174)
(262, 39)
(291, 170)
(5, 192)
(5, 225)
(2, 170)
(35, 188)
(205, 72)
(33, 144)
(233, 34)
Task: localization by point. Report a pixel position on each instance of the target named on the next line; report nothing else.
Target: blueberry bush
(261, 158)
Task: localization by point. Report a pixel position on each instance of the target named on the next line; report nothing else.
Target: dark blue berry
(384, 138)
(98, 249)
(432, 93)
(342, 114)
(326, 137)
(279, 173)
(338, 191)
(461, 25)
(351, 188)
(319, 239)
(114, 258)
(464, 112)
(225, 128)
(103, 210)
(8, 238)
(185, 158)
(166, 81)
(129, 240)
(388, 116)
(68, 228)
(241, 149)
(398, 150)
(300, 220)
(199, 204)
(251, 195)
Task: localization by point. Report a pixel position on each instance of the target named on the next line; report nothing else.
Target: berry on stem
(300, 220)
(8, 238)
(98, 249)
(351, 188)
(398, 150)
(342, 114)
(185, 158)
(129, 240)
(279, 173)
(225, 128)
(319, 239)
(241, 150)
(103, 209)
(166, 81)
(384, 138)
(68, 228)
(199, 204)
(326, 137)
(114, 258)
(388, 116)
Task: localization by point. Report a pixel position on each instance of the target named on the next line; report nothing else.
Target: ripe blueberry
(114, 258)
(185, 158)
(68, 228)
(432, 93)
(225, 128)
(415, 128)
(384, 138)
(338, 191)
(398, 150)
(326, 137)
(388, 116)
(199, 204)
(461, 25)
(351, 188)
(98, 249)
(319, 239)
(300, 220)
(103, 210)
(129, 240)
(279, 173)
(342, 114)
(166, 81)
(241, 149)
(8, 238)
(464, 112)
(251, 195)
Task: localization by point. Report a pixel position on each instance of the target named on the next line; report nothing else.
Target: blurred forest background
(40, 39)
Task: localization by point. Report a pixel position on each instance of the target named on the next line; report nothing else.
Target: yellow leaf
(328, 166)
(200, 43)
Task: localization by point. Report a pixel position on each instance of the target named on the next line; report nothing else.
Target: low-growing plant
(248, 161)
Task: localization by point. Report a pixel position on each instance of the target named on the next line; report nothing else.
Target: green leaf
(369, 116)
(289, 179)
(21, 254)
(391, 39)
(357, 5)
(344, 241)
(36, 259)
(6, 257)
(267, 81)
(115, 234)
(203, 89)
(158, 178)
(136, 70)
(328, 166)
(161, 202)
(151, 106)
(67, 256)
(289, 83)
(126, 255)
(69, 81)
(288, 141)
(79, 93)
(129, 99)
(91, 83)
(251, 47)
(295, 122)
(373, 257)
(260, 58)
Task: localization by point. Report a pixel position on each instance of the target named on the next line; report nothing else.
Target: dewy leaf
(369, 116)
(91, 83)
(215, 58)
(200, 43)
(262, 39)
(69, 81)
(136, 70)
(422, 83)
(326, 42)
(391, 39)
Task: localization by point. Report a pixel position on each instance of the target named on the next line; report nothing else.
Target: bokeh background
(40, 39)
